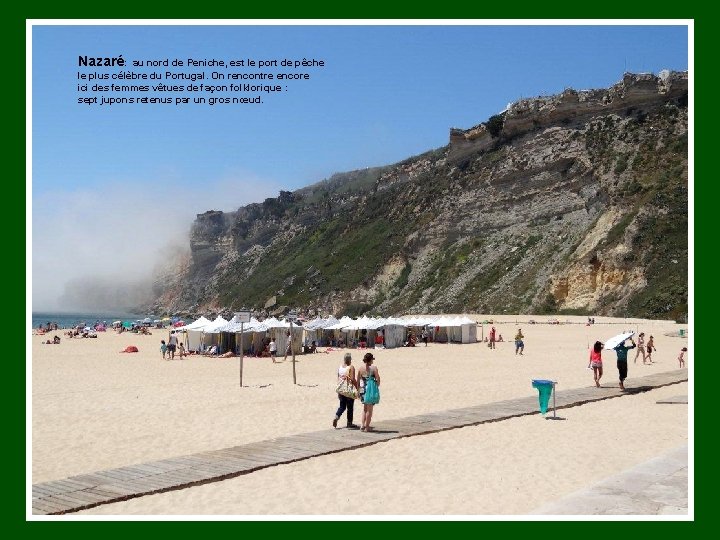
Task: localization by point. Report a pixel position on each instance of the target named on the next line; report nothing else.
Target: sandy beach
(94, 408)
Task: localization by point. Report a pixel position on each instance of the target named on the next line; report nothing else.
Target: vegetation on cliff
(582, 210)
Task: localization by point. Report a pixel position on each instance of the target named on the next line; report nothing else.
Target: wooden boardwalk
(113, 485)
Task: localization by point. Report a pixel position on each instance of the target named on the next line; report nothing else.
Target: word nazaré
(101, 61)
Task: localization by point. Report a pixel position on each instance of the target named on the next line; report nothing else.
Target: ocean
(66, 320)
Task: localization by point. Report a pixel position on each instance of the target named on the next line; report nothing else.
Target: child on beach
(596, 362)
(163, 348)
(681, 356)
(181, 348)
(273, 350)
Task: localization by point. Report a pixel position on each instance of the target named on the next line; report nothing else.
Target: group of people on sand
(49, 328)
(645, 349)
(168, 349)
(621, 352)
(367, 383)
(494, 337)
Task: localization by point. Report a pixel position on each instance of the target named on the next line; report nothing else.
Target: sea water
(67, 320)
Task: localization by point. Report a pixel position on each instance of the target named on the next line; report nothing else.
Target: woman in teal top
(369, 378)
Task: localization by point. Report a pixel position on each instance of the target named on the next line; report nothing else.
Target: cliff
(575, 202)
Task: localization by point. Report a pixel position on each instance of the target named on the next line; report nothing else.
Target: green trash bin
(545, 390)
(682, 332)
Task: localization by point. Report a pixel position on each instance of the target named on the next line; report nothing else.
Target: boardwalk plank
(63, 503)
(44, 507)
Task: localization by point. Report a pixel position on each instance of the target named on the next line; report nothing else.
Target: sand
(95, 408)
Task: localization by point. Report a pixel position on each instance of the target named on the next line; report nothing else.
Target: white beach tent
(447, 329)
(358, 327)
(254, 333)
(338, 330)
(279, 330)
(193, 331)
(468, 329)
(394, 332)
(313, 330)
(204, 335)
(316, 330)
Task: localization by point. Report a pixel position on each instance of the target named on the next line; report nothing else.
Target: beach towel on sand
(130, 348)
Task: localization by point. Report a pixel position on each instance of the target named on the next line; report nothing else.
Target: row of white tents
(388, 332)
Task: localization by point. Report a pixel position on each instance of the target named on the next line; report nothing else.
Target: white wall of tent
(203, 333)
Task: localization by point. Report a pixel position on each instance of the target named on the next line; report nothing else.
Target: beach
(95, 408)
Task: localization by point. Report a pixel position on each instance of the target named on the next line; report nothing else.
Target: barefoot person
(650, 349)
(681, 357)
(172, 344)
(596, 362)
(519, 343)
(369, 378)
(640, 347)
(273, 350)
(288, 347)
(621, 351)
(346, 372)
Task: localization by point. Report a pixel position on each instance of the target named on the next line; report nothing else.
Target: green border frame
(14, 395)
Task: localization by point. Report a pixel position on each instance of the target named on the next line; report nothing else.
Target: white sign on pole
(291, 316)
(242, 316)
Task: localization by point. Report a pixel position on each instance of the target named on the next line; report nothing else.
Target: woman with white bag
(347, 391)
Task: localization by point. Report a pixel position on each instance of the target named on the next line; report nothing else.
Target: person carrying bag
(369, 377)
(347, 391)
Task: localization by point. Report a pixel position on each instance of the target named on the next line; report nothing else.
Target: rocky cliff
(570, 203)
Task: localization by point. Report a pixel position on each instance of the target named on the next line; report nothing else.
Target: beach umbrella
(166, 318)
(614, 341)
(127, 324)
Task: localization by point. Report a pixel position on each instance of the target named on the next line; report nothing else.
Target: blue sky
(385, 93)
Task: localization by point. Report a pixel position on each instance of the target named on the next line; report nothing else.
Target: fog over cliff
(97, 247)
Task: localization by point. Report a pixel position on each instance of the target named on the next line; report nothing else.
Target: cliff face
(576, 202)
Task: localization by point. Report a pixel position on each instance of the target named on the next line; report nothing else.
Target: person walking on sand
(163, 348)
(424, 336)
(346, 372)
(650, 349)
(640, 347)
(681, 357)
(519, 344)
(369, 378)
(172, 344)
(492, 338)
(288, 346)
(273, 350)
(621, 351)
(596, 362)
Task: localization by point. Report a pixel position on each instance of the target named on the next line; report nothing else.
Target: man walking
(621, 351)
(172, 344)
